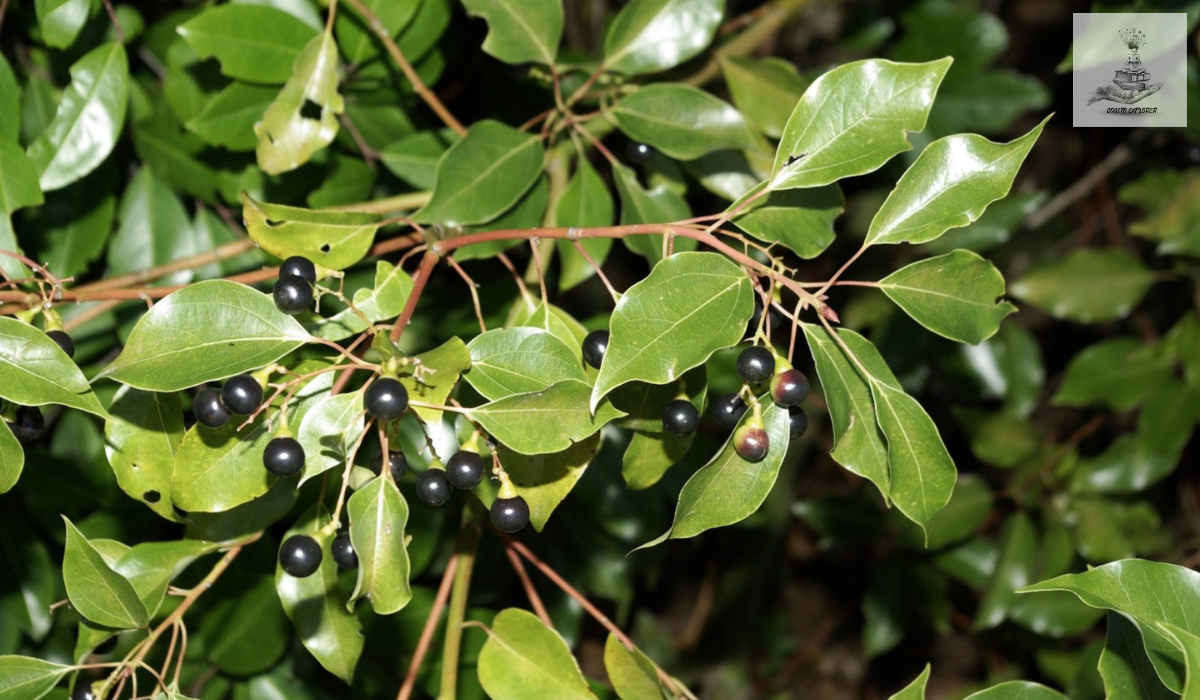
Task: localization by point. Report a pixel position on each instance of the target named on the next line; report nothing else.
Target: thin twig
(530, 592)
(474, 289)
(439, 604)
(1119, 156)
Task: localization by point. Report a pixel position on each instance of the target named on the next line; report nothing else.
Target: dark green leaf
(414, 158)
(630, 672)
(528, 212)
(1120, 373)
(1089, 285)
(74, 244)
(140, 440)
(648, 36)
(287, 135)
(765, 90)
(520, 31)
(12, 458)
(256, 43)
(1018, 556)
(1126, 669)
(524, 659)
(657, 205)
(682, 121)
(519, 421)
(953, 295)
(38, 372)
(358, 41)
(18, 179)
(228, 119)
(544, 480)
(649, 456)
(336, 240)
(378, 515)
(98, 592)
(585, 202)
(154, 230)
(247, 634)
(1131, 464)
(10, 103)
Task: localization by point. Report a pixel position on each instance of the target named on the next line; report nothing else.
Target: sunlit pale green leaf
(765, 90)
(383, 301)
(140, 440)
(336, 240)
(37, 372)
(228, 119)
(544, 480)
(433, 374)
(1088, 285)
(630, 672)
(98, 592)
(802, 220)
(519, 421)
(247, 634)
(303, 119)
(328, 431)
(682, 121)
(524, 659)
(520, 31)
(916, 689)
(256, 43)
(219, 469)
(953, 295)
(520, 360)
(27, 678)
(648, 36)
(378, 516)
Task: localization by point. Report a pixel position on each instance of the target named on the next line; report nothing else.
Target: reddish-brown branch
(419, 279)
(439, 604)
(530, 592)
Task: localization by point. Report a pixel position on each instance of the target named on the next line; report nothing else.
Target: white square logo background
(1099, 52)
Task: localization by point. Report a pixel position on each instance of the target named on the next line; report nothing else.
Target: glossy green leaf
(765, 90)
(1190, 644)
(520, 360)
(328, 431)
(1124, 666)
(483, 174)
(288, 135)
(8, 241)
(519, 421)
(151, 566)
(1146, 592)
(207, 331)
(1017, 690)
(524, 659)
(18, 179)
(853, 119)
(1131, 464)
(98, 592)
(37, 372)
(630, 672)
(656, 205)
(359, 43)
(802, 220)
(228, 119)
(379, 303)
(544, 480)
(528, 212)
(378, 516)
(585, 202)
(256, 43)
(75, 243)
(1014, 570)
(648, 36)
(916, 689)
(682, 121)
(154, 230)
(219, 469)
(336, 240)
(520, 31)
(27, 678)
(61, 20)
(433, 375)
(687, 308)
(649, 455)
(140, 440)
(1120, 373)
(1088, 285)
(12, 458)
(953, 295)
(88, 121)
(248, 633)
(414, 158)
(949, 185)
(529, 311)
(425, 29)
(317, 604)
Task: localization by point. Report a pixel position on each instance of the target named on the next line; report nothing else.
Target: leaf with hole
(333, 239)
(140, 440)
(303, 119)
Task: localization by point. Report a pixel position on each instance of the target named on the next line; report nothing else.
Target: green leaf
(336, 240)
(433, 374)
(414, 158)
(687, 308)
(530, 311)
(154, 230)
(228, 119)
(1088, 285)
(649, 455)
(207, 331)
(99, 593)
(524, 659)
(1017, 690)
(383, 301)
(1014, 569)
(27, 678)
(682, 121)
(37, 372)
(18, 179)
(630, 672)
(219, 469)
(969, 508)
(802, 220)
(317, 605)
(953, 295)
(1148, 593)
(1130, 465)
(483, 174)
(328, 432)
(358, 41)
(728, 489)
(248, 633)
(949, 185)
(1120, 373)
(1124, 666)
(287, 135)
(519, 421)
(1190, 644)
(520, 360)
(544, 480)
(764, 90)
(151, 566)
(73, 244)
(916, 689)
(648, 36)
(15, 269)
(426, 28)
(88, 120)
(256, 43)
(10, 103)
(140, 440)
(520, 31)
(645, 403)
(61, 20)
(585, 202)
(853, 119)
(12, 459)
(528, 212)
(378, 515)
(657, 205)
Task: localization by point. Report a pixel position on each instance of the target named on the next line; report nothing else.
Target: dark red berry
(510, 514)
(283, 457)
(297, 266)
(797, 421)
(343, 552)
(756, 364)
(242, 394)
(397, 463)
(433, 488)
(29, 424)
(64, 341)
(751, 443)
(728, 410)
(464, 469)
(386, 399)
(293, 294)
(300, 556)
(209, 410)
(789, 387)
(595, 346)
(680, 418)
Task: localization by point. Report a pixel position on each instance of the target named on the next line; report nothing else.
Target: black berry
(751, 443)
(29, 424)
(397, 462)
(297, 266)
(106, 647)
(209, 410)
(433, 488)
(789, 387)
(83, 691)
(242, 394)
(283, 456)
(293, 294)
(510, 514)
(300, 556)
(680, 418)
(464, 469)
(343, 552)
(595, 345)
(386, 399)
(639, 153)
(64, 341)
(728, 410)
(798, 422)
(756, 364)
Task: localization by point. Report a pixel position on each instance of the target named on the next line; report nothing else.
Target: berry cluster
(240, 395)
(788, 387)
(294, 290)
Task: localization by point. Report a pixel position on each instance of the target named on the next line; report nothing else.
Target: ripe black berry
(397, 462)
(680, 418)
(106, 647)
(83, 691)
(386, 399)
(64, 341)
(283, 457)
(756, 364)
(789, 387)
(433, 488)
(510, 514)
(751, 443)
(300, 556)
(464, 469)
(595, 345)
(242, 394)
(798, 421)
(29, 424)
(209, 410)
(293, 294)
(297, 266)
(343, 552)
(639, 153)
(728, 410)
